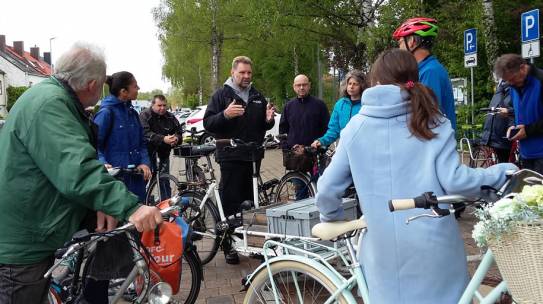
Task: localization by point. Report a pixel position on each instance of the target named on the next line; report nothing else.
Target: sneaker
(231, 257)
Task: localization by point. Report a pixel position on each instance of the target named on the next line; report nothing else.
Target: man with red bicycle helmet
(417, 35)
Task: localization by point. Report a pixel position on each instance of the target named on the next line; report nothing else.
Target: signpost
(529, 31)
(470, 59)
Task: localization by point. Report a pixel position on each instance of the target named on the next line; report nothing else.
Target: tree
(13, 94)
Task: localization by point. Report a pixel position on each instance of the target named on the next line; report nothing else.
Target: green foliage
(13, 94)
(149, 95)
(287, 37)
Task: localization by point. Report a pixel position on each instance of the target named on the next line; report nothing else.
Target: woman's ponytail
(424, 111)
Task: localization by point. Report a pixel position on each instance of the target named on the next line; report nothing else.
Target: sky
(125, 29)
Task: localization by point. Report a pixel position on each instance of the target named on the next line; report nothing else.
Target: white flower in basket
(513, 229)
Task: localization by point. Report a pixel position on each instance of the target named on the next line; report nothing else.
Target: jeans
(22, 284)
(535, 164)
(165, 189)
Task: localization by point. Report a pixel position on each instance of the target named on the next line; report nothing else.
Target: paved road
(222, 282)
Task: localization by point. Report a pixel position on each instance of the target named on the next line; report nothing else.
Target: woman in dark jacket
(120, 135)
(496, 125)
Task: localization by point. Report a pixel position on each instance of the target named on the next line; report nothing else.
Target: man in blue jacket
(416, 35)
(527, 95)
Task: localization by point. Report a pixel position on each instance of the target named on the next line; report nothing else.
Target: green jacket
(50, 176)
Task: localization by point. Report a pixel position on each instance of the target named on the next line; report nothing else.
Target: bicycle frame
(344, 286)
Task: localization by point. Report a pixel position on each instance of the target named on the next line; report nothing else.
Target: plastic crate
(299, 217)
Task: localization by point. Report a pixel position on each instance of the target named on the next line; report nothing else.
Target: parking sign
(470, 41)
(529, 25)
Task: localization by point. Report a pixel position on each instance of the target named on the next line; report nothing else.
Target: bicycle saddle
(332, 230)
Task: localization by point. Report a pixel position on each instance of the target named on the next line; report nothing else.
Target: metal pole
(472, 99)
(51, 52)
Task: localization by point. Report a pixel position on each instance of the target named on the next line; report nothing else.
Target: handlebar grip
(223, 142)
(401, 204)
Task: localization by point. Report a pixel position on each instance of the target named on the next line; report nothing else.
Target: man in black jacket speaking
(239, 111)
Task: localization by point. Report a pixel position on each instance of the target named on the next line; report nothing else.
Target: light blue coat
(423, 262)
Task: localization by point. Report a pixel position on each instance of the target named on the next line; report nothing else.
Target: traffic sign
(470, 60)
(529, 25)
(531, 49)
(470, 41)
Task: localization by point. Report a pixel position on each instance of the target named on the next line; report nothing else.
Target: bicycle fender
(314, 264)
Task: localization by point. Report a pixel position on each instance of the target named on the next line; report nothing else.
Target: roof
(26, 62)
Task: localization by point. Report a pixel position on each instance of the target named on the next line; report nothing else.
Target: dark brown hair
(398, 67)
(119, 81)
(508, 64)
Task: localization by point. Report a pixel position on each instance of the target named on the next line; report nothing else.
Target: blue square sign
(529, 25)
(470, 41)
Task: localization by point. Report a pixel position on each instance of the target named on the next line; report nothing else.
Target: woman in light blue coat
(400, 146)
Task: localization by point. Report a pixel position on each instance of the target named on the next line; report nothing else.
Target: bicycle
(210, 226)
(296, 185)
(73, 263)
(294, 274)
(482, 155)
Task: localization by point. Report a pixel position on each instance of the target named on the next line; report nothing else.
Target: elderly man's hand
(105, 222)
(146, 218)
(521, 134)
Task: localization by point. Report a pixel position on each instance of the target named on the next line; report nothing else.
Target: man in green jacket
(50, 176)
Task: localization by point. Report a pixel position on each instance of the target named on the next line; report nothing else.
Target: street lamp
(51, 52)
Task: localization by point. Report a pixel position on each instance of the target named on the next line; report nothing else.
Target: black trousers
(21, 284)
(535, 164)
(236, 184)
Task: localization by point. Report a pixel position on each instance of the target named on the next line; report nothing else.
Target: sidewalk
(222, 282)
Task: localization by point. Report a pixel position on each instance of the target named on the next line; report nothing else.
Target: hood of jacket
(385, 101)
(244, 94)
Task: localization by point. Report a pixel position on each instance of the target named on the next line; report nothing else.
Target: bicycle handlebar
(114, 171)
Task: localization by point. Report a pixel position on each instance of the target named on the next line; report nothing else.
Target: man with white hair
(51, 177)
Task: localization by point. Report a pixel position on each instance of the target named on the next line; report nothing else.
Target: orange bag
(165, 245)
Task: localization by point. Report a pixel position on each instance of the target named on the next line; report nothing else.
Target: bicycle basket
(519, 256)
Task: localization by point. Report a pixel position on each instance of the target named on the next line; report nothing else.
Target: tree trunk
(216, 46)
(491, 39)
(200, 87)
(295, 61)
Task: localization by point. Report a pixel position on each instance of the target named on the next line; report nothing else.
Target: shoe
(231, 257)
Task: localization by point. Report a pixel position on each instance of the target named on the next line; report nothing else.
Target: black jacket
(303, 120)
(250, 127)
(155, 127)
(495, 127)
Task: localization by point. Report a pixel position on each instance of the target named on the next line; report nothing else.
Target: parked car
(182, 116)
(196, 120)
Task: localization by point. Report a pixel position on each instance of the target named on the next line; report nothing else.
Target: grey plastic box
(297, 218)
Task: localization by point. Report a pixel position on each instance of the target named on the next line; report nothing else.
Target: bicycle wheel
(484, 157)
(295, 282)
(169, 187)
(294, 186)
(191, 277)
(203, 223)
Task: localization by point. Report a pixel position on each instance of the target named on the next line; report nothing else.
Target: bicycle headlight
(160, 293)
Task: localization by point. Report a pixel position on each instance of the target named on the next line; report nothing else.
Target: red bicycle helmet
(421, 26)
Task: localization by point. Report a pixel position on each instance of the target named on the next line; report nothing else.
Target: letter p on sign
(530, 25)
